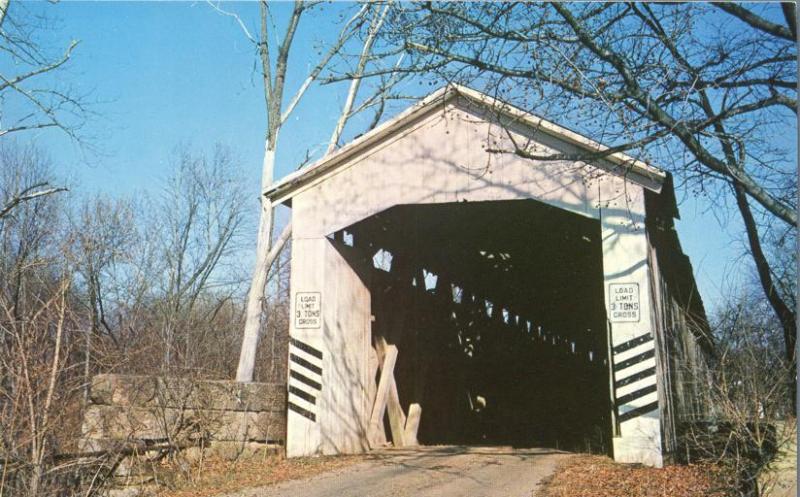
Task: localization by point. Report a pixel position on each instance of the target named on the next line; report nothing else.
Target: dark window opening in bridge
(458, 294)
(430, 280)
(347, 238)
(382, 260)
(488, 304)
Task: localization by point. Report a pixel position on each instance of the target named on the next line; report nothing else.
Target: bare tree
(28, 232)
(117, 286)
(31, 98)
(751, 423)
(104, 232)
(37, 330)
(199, 221)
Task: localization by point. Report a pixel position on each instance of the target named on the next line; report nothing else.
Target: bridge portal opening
(496, 310)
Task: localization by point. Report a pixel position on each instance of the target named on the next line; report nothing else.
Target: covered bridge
(446, 293)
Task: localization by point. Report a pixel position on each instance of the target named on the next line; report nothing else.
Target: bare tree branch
(374, 27)
(786, 213)
(27, 195)
(13, 82)
(755, 20)
(346, 33)
(242, 26)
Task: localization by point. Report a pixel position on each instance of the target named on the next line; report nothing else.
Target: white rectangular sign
(308, 310)
(623, 302)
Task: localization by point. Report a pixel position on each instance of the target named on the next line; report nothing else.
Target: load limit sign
(307, 310)
(623, 305)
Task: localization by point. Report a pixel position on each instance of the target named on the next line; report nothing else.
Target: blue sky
(166, 74)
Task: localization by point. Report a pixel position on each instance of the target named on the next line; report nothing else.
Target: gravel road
(442, 471)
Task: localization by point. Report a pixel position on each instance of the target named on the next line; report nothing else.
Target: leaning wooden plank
(378, 438)
(381, 398)
(397, 419)
(412, 424)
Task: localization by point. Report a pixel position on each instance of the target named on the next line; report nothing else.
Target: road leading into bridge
(441, 471)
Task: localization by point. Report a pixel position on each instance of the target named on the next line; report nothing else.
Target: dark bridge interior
(497, 312)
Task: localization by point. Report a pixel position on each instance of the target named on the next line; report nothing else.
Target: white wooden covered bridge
(446, 293)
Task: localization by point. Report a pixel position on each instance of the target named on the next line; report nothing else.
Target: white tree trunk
(3, 10)
(255, 296)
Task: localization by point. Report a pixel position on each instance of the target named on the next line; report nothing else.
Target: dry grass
(596, 476)
(218, 476)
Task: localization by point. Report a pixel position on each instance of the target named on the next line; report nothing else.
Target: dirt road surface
(442, 471)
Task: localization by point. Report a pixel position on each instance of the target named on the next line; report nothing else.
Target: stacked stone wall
(147, 418)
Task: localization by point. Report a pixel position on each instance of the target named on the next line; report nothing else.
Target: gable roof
(638, 171)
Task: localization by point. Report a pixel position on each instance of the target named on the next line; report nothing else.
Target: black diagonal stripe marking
(303, 395)
(635, 377)
(306, 348)
(303, 412)
(633, 343)
(302, 362)
(619, 366)
(305, 379)
(635, 413)
(636, 394)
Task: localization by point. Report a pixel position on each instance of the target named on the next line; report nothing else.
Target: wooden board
(385, 383)
(412, 424)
